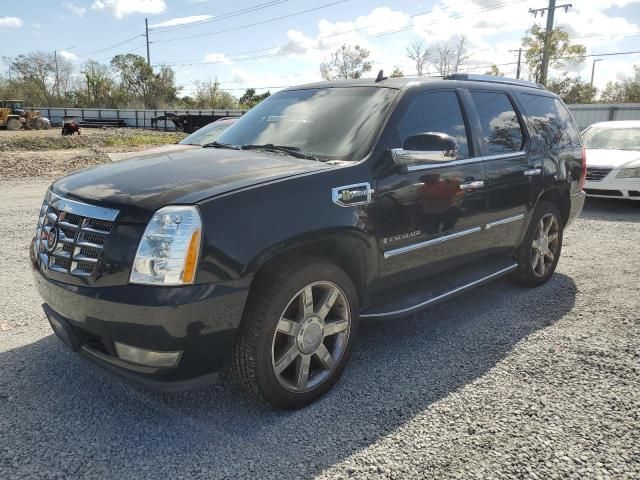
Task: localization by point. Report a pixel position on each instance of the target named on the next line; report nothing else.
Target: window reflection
(501, 129)
(436, 112)
(552, 121)
(330, 123)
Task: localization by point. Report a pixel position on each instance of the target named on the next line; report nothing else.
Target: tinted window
(329, 123)
(501, 130)
(552, 121)
(436, 112)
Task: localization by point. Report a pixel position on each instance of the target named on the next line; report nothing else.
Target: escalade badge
(350, 195)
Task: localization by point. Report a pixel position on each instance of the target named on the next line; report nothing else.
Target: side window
(501, 129)
(552, 121)
(436, 112)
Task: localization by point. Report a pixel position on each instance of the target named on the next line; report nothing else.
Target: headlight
(169, 249)
(629, 173)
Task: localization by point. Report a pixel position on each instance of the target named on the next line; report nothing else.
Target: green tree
(561, 50)
(249, 99)
(572, 90)
(625, 91)
(397, 72)
(35, 79)
(345, 63)
(208, 94)
(495, 71)
(137, 78)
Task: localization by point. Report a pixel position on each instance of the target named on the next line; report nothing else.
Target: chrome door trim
(472, 185)
(503, 221)
(533, 172)
(428, 243)
(465, 161)
(442, 296)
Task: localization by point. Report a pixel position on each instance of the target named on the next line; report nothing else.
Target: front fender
(244, 229)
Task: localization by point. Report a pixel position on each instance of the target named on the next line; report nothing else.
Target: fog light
(149, 358)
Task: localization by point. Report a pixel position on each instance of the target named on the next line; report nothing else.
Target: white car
(613, 159)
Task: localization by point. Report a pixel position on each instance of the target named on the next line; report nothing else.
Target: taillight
(583, 174)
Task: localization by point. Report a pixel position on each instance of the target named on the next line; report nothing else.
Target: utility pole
(55, 60)
(551, 9)
(146, 34)
(593, 69)
(519, 61)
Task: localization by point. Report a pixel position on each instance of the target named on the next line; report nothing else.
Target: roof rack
(493, 79)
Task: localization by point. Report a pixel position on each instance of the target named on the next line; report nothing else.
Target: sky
(272, 44)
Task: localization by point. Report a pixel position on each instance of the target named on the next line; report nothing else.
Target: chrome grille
(71, 235)
(596, 174)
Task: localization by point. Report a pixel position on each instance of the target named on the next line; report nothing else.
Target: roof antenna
(381, 76)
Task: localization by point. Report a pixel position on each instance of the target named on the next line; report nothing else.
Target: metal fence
(586, 115)
(130, 117)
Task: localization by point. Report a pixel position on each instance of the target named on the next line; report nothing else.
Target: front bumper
(200, 321)
(612, 187)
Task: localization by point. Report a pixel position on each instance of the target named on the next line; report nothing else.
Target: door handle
(472, 185)
(533, 172)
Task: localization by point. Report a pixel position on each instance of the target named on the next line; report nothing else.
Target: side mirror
(425, 148)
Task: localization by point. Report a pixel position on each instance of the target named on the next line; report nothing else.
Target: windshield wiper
(292, 151)
(221, 145)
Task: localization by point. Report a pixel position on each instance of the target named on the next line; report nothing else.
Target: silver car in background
(613, 159)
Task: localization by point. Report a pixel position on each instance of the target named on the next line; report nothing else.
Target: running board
(431, 298)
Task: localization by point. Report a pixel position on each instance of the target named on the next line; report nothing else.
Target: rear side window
(436, 112)
(501, 129)
(552, 121)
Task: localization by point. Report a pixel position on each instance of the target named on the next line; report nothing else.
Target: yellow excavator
(14, 117)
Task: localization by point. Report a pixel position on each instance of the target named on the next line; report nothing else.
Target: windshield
(207, 134)
(328, 123)
(612, 138)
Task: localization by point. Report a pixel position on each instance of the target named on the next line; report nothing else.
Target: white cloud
(75, 8)
(121, 8)
(216, 58)
(68, 55)
(181, 21)
(10, 22)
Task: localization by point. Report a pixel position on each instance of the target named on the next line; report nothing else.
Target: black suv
(325, 204)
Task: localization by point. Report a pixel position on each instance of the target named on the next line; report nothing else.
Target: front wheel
(539, 252)
(297, 334)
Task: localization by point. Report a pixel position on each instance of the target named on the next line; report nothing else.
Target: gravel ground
(503, 382)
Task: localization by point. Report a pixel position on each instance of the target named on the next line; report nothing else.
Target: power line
(270, 20)
(222, 16)
(326, 45)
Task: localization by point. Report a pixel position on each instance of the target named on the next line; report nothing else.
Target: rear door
(513, 178)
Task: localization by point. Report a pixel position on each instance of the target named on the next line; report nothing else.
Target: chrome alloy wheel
(311, 336)
(546, 241)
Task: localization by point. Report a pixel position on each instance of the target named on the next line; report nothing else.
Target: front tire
(539, 252)
(297, 333)
(13, 124)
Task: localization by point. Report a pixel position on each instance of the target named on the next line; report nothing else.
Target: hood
(610, 158)
(175, 147)
(139, 186)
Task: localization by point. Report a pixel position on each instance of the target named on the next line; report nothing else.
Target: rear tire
(297, 333)
(13, 124)
(539, 252)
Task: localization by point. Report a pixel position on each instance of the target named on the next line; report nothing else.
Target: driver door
(430, 213)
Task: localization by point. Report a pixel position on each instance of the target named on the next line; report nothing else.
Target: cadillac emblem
(52, 239)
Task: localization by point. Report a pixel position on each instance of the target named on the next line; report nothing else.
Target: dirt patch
(119, 139)
(48, 164)
(48, 154)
